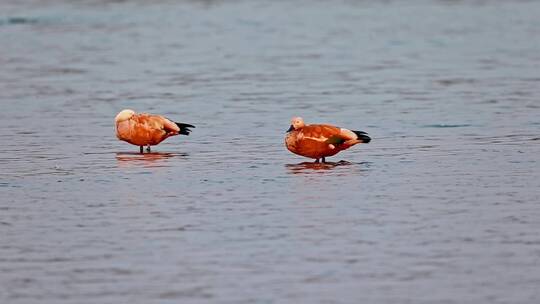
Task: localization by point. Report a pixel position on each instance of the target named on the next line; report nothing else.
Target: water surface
(441, 207)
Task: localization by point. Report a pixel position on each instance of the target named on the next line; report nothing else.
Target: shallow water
(441, 207)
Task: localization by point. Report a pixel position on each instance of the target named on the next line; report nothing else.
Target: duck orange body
(320, 141)
(147, 129)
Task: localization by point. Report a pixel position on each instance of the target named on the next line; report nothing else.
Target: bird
(145, 129)
(320, 141)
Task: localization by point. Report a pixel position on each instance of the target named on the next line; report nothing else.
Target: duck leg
(323, 160)
(141, 149)
(148, 148)
(317, 161)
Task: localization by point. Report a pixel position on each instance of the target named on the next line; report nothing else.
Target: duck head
(296, 123)
(124, 115)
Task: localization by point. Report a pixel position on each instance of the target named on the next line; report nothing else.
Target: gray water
(443, 206)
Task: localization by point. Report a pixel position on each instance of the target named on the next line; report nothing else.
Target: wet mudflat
(441, 207)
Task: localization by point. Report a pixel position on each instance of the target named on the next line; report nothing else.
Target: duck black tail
(184, 128)
(362, 136)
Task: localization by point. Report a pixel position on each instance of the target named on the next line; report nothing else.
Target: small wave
(18, 20)
(455, 81)
(447, 126)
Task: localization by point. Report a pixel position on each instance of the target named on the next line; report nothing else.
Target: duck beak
(290, 129)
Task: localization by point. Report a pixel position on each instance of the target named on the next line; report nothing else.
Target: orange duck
(147, 129)
(320, 141)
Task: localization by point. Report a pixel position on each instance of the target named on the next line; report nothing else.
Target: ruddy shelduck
(145, 129)
(320, 141)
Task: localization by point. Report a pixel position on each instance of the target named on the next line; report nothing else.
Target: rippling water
(441, 207)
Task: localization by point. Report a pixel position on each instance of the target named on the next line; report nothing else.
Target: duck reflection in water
(310, 167)
(152, 159)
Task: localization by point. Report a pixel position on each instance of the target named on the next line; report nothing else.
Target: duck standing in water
(320, 141)
(145, 129)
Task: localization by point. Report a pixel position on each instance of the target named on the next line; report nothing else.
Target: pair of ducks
(313, 141)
